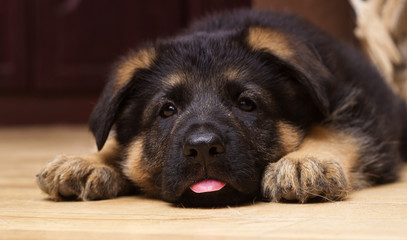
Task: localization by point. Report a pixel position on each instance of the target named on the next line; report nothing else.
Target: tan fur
(287, 48)
(135, 60)
(132, 164)
(136, 170)
(110, 153)
(173, 79)
(232, 74)
(329, 144)
(321, 166)
(338, 146)
(290, 136)
(272, 40)
(177, 78)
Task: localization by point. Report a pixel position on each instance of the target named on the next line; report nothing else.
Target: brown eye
(168, 110)
(246, 104)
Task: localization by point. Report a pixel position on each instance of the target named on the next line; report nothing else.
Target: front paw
(304, 179)
(70, 177)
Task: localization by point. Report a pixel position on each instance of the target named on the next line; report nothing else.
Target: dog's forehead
(205, 79)
(204, 53)
(204, 61)
(210, 63)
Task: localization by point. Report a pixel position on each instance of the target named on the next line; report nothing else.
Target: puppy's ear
(121, 83)
(309, 70)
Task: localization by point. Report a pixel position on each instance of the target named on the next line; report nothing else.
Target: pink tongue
(207, 186)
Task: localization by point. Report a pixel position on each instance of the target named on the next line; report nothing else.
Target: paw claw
(290, 186)
(308, 182)
(90, 184)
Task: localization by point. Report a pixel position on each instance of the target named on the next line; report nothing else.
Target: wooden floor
(25, 212)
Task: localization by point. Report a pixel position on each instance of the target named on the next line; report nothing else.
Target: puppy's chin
(227, 196)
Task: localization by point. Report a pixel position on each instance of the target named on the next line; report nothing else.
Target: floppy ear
(120, 84)
(311, 72)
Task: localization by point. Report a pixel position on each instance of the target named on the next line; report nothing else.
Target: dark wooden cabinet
(77, 41)
(13, 45)
(55, 55)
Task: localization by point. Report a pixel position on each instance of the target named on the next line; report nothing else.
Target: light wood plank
(25, 212)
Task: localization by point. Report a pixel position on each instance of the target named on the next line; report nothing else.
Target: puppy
(241, 106)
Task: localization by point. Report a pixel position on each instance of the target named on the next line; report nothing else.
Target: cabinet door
(198, 8)
(78, 41)
(56, 54)
(13, 66)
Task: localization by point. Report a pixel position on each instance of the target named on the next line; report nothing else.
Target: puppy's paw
(304, 179)
(70, 177)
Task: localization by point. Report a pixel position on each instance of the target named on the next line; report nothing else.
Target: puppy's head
(201, 116)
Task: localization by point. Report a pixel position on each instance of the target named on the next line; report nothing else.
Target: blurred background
(55, 55)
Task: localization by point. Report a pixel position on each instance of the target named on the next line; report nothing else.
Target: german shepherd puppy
(241, 106)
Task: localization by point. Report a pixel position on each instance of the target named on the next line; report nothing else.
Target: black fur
(352, 98)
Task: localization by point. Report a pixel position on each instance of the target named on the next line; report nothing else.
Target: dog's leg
(90, 177)
(320, 167)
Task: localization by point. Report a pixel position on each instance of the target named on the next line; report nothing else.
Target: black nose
(203, 147)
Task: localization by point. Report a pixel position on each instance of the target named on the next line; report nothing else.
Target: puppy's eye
(168, 110)
(246, 104)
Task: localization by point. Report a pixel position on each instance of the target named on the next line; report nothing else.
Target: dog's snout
(203, 147)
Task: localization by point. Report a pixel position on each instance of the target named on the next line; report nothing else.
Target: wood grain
(25, 212)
